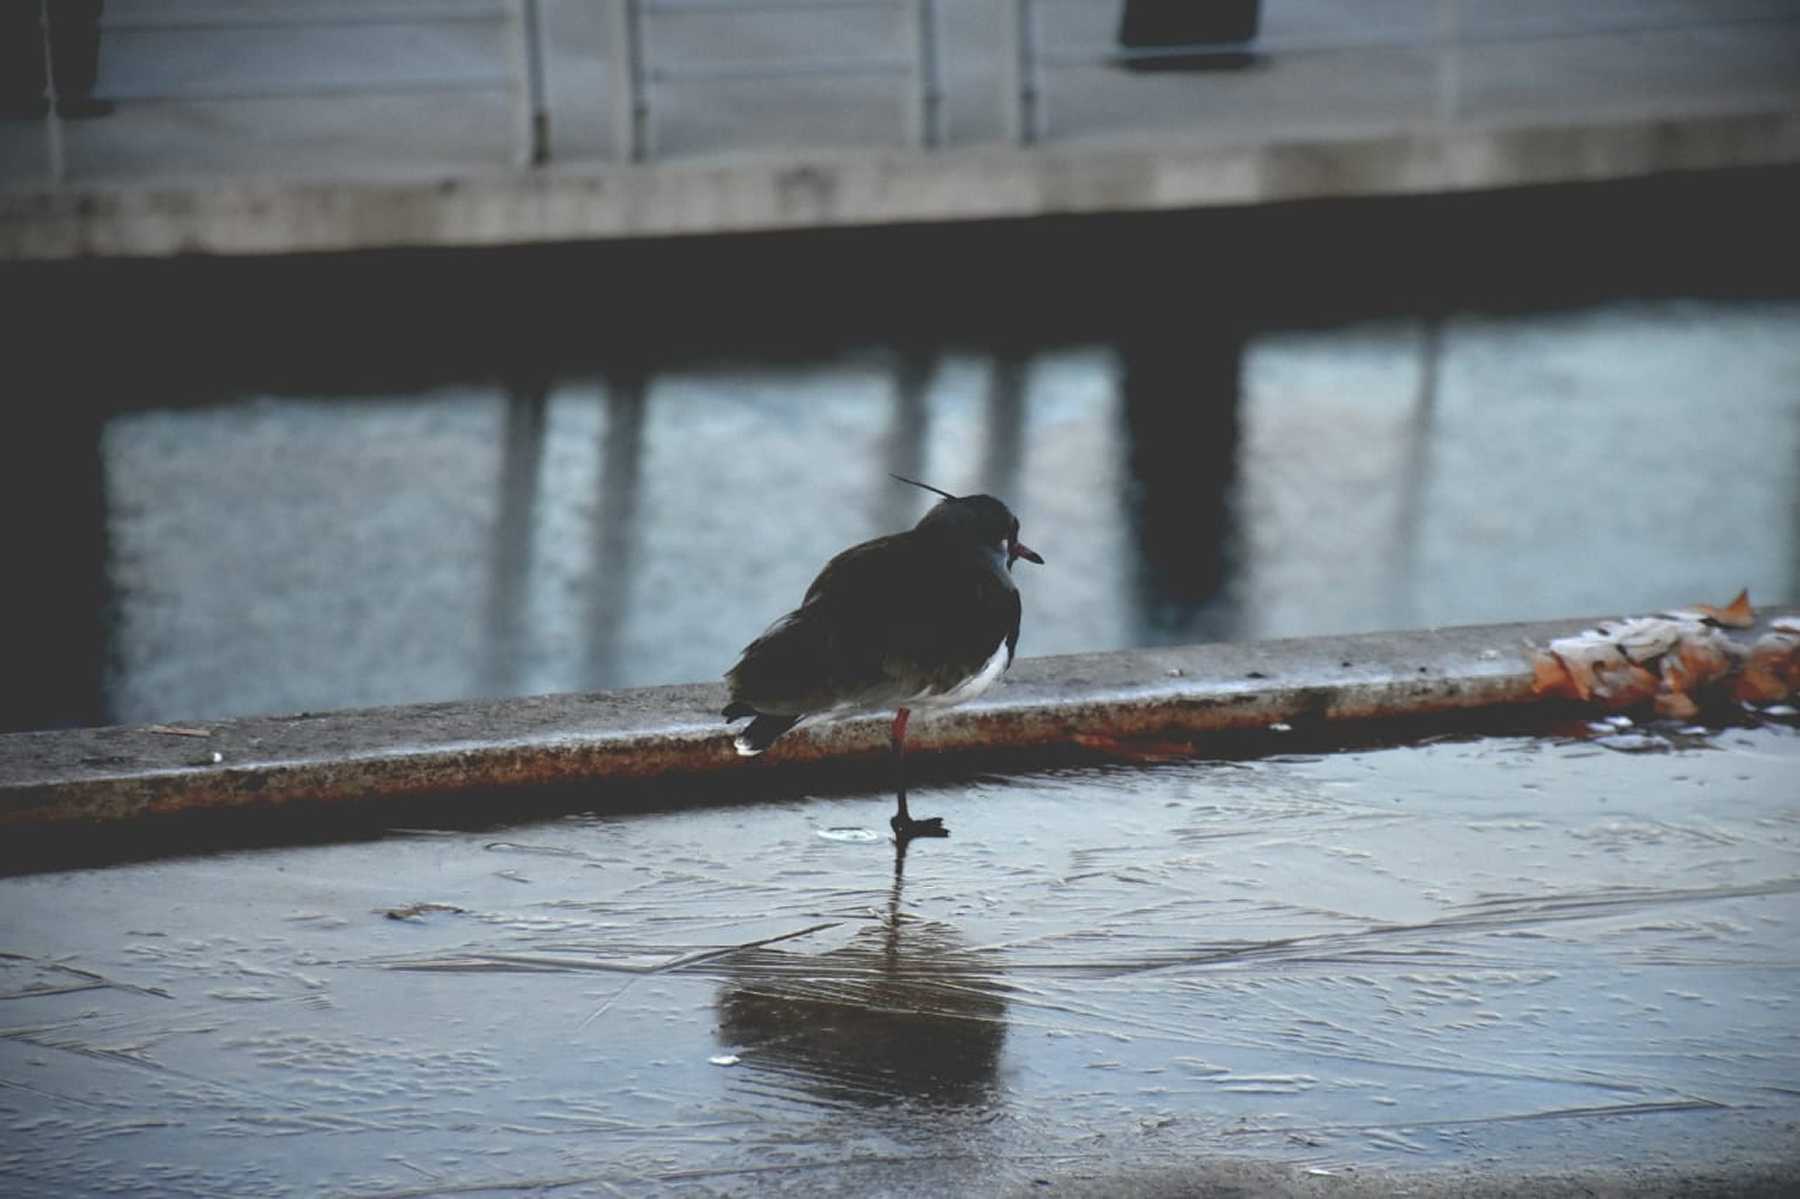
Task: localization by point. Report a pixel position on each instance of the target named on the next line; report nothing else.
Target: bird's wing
(909, 619)
(883, 622)
(799, 665)
(857, 572)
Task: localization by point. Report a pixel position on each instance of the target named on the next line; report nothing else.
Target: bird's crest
(925, 486)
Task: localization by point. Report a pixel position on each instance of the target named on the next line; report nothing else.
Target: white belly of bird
(970, 687)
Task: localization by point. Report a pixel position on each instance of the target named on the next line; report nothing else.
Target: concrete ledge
(248, 216)
(1093, 702)
(1098, 704)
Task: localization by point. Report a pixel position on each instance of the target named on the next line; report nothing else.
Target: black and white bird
(924, 618)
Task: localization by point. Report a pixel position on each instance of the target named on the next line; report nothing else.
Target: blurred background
(419, 471)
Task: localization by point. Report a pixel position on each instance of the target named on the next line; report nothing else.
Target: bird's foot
(906, 828)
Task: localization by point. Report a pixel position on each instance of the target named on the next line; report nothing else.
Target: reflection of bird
(924, 618)
(903, 1012)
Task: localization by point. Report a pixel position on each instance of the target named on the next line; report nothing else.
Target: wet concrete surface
(1511, 958)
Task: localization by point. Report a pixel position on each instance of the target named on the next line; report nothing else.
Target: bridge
(260, 127)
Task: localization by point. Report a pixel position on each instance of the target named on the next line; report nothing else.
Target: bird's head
(979, 518)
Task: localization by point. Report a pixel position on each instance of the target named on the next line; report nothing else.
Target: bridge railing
(1024, 56)
(918, 60)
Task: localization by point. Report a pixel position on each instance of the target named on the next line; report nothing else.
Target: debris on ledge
(1678, 662)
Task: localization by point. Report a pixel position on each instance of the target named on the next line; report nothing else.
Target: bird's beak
(1018, 549)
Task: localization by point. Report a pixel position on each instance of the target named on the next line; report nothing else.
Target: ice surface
(1505, 951)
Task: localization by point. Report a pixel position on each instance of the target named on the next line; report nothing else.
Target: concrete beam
(562, 204)
(1094, 702)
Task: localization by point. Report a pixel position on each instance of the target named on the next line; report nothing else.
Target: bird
(924, 618)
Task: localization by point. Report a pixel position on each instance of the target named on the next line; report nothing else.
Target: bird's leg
(897, 739)
(904, 826)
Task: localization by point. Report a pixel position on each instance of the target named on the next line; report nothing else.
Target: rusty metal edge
(69, 778)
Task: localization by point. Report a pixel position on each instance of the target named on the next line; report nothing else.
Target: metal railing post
(1021, 107)
(53, 130)
(926, 107)
(630, 100)
(1449, 72)
(530, 104)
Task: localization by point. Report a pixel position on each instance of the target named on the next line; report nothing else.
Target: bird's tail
(760, 733)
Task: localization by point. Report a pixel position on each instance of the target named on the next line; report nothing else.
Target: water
(311, 483)
(1513, 953)
(277, 553)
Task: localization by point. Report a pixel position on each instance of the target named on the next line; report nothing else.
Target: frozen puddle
(1500, 953)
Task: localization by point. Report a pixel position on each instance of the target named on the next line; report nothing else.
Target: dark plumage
(928, 617)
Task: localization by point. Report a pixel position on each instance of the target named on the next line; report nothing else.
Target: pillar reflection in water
(621, 468)
(1181, 388)
(919, 447)
(914, 366)
(1415, 477)
(515, 529)
(905, 1012)
(1006, 421)
(55, 620)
